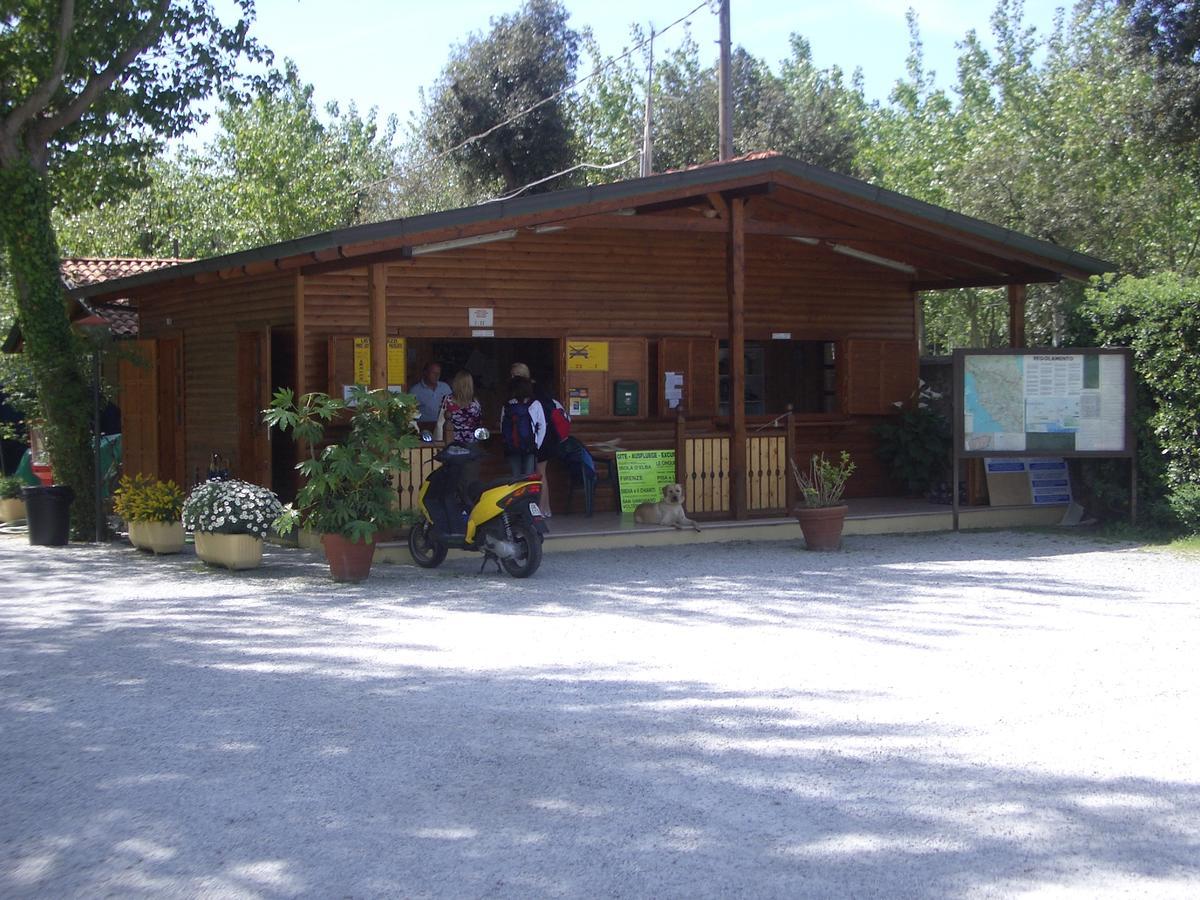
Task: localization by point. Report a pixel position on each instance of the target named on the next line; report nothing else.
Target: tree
(526, 58)
(1169, 32)
(275, 170)
(87, 95)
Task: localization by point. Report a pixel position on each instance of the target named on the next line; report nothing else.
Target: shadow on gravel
(204, 757)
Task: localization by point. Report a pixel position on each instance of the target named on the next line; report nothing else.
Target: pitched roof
(78, 271)
(1000, 255)
(82, 271)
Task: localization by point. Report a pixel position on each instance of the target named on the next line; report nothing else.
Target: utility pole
(648, 129)
(725, 85)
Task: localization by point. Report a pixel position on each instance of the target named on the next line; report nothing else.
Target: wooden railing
(702, 466)
(408, 483)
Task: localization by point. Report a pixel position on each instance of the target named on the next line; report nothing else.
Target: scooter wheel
(529, 552)
(427, 551)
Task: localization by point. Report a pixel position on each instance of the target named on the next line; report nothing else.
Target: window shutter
(878, 375)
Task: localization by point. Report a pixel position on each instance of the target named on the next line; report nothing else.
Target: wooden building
(711, 300)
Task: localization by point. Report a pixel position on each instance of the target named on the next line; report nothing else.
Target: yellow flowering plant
(142, 498)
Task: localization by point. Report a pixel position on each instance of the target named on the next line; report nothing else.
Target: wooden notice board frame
(1129, 450)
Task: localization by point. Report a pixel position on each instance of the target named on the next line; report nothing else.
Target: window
(802, 373)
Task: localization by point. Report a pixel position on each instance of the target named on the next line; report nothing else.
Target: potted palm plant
(821, 513)
(12, 507)
(230, 519)
(152, 509)
(347, 495)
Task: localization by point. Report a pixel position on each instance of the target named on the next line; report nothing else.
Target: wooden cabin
(739, 312)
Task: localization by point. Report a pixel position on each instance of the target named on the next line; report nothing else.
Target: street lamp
(96, 330)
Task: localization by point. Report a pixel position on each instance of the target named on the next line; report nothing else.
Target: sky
(379, 53)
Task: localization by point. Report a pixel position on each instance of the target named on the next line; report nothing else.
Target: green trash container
(48, 514)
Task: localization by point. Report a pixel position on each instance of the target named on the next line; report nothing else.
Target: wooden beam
(735, 270)
(998, 282)
(377, 292)
(1016, 315)
(298, 298)
(357, 262)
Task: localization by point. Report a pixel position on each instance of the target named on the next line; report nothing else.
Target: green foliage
(88, 93)
(231, 507)
(916, 444)
(527, 57)
(822, 485)
(275, 170)
(142, 498)
(1185, 504)
(347, 488)
(10, 487)
(1159, 318)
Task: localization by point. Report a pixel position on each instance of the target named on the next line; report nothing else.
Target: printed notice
(1102, 408)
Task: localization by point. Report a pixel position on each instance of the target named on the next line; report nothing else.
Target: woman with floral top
(461, 412)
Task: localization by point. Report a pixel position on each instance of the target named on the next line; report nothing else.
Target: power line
(597, 71)
(593, 166)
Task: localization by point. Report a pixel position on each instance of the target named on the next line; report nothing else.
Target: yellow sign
(395, 359)
(587, 356)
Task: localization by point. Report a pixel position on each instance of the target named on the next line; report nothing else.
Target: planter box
(157, 537)
(821, 526)
(307, 539)
(233, 551)
(12, 510)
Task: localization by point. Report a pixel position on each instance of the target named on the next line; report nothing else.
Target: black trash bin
(48, 514)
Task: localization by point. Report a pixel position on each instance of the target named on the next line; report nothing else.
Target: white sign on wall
(480, 317)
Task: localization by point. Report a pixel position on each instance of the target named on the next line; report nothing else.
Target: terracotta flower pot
(12, 510)
(233, 551)
(157, 537)
(348, 560)
(821, 526)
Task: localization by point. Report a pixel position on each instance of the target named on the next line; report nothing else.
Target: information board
(642, 474)
(395, 361)
(1053, 402)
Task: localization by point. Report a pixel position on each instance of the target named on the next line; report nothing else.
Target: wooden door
(172, 463)
(253, 462)
(139, 409)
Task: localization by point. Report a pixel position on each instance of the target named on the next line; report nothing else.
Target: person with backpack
(558, 427)
(522, 428)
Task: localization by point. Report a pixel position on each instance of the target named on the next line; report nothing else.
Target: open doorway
(488, 361)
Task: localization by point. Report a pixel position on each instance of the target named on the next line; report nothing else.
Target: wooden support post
(1016, 315)
(789, 452)
(735, 268)
(681, 472)
(299, 384)
(377, 291)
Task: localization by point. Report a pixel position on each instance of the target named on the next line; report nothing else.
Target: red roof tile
(78, 271)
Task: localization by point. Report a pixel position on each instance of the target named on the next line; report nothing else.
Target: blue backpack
(516, 428)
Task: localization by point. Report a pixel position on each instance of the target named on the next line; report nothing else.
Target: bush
(1185, 504)
(1158, 317)
(141, 498)
(10, 488)
(916, 443)
(231, 507)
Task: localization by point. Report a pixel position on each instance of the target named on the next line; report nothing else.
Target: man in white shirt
(430, 391)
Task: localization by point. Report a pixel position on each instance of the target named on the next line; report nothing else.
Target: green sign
(642, 474)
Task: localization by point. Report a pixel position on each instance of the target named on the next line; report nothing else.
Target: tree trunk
(32, 248)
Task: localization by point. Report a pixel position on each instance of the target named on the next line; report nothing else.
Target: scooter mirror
(482, 434)
(426, 437)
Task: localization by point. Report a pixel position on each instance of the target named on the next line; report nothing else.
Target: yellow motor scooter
(500, 519)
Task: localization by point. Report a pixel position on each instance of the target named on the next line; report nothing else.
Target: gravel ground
(940, 715)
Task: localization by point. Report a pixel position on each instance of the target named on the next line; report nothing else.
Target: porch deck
(875, 515)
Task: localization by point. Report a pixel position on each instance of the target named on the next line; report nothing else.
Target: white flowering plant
(231, 507)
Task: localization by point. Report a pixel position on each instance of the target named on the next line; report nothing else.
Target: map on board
(1064, 402)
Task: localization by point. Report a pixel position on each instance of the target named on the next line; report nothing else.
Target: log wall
(209, 318)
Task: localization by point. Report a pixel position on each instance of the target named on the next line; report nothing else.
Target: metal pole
(725, 85)
(99, 486)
